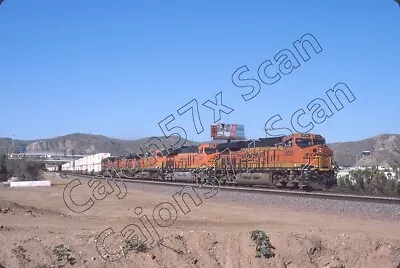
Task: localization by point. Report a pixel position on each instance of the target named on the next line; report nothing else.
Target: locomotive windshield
(305, 142)
(210, 150)
(319, 141)
(302, 143)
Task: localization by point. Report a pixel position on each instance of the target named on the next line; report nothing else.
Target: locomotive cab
(313, 150)
(313, 158)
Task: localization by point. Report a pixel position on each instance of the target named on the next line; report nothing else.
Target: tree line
(24, 169)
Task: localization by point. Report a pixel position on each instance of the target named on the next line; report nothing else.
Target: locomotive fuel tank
(182, 177)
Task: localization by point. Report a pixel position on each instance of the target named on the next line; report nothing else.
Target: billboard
(366, 153)
(227, 132)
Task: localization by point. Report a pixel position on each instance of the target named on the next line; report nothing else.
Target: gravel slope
(366, 210)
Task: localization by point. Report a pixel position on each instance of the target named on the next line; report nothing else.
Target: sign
(227, 132)
(366, 153)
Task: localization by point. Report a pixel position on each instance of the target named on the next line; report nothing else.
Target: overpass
(50, 159)
(53, 155)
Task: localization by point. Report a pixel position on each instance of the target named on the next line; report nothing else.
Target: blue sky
(117, 68)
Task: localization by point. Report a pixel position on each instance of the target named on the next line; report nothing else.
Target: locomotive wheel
(293, 185)
(307, 188)
(281, 184)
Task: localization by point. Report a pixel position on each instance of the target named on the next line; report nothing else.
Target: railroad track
(314, 194)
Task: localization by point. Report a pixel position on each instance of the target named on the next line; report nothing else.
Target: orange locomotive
(296, 161)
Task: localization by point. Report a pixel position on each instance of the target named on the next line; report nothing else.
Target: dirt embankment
(40, 231)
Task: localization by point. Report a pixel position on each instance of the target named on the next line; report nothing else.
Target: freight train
(298, 161)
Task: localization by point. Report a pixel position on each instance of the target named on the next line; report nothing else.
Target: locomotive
(297, 161)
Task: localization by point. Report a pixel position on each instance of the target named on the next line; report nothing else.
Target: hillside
(385, 149)
(82, 144)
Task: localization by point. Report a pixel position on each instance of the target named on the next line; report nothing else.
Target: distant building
(87, 163)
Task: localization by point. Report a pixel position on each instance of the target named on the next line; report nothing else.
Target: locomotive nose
(325, 150)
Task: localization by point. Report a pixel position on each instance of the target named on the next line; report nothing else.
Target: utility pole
(73, 159)
(12, 144)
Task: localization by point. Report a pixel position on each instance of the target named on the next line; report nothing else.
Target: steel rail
(314, 194)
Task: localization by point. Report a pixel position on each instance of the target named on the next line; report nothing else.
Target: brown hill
(81, 144)
(385, 150)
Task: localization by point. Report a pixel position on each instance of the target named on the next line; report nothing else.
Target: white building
(87, 163)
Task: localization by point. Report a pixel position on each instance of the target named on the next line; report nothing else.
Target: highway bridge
(52, 160)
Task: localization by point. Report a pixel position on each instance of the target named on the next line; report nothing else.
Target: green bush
(263, 244)
(379, 182)
(397, 187)
(370, 181)
(342, 182)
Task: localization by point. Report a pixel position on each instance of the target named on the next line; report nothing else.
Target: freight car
(298, 161)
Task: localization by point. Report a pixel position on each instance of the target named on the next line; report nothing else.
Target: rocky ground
(37, 229)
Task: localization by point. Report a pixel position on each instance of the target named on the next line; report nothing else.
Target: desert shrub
(359, 178)
(342, 181)
(263, 244)
(21, 168)
(136, 246)
(379, 182)
(349, 184)
(397, 187)
(370, 181)
(3, 168)
(63, 254)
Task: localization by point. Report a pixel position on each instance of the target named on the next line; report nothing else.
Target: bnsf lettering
(253, 155)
